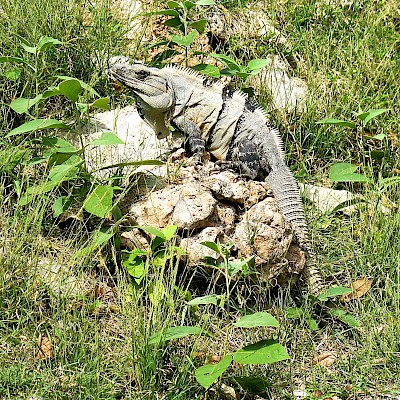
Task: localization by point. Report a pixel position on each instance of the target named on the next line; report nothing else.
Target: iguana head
(151, 88)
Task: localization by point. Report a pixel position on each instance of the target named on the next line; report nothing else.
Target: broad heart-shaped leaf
(344, 172)
(71, 89)
(58, 145)
(169, 231)
(22, 105)
(60, 205)
(36, 125)
(136, 268)
(152, 231)
(344, 317)
(367, 116)
(235, 266)
(102, 103)
(46, 41)
(99, 237)
(186, 40)
(107, 139)
(83, 84)
(257, 64)
(99, 201)
(199, 25)
(207, 69)
(63, 172)
(263, 352)
(208, 374)
(210, 299)
(257, 319)
(337, 122)
(175, 332)
(212, 246)
(334, 291)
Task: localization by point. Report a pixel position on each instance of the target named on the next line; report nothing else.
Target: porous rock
(223, 207)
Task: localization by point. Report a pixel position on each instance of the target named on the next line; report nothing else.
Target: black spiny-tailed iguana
(226, 123)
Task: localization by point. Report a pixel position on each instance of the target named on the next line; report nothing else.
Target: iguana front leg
(197, 145)
(243, 158)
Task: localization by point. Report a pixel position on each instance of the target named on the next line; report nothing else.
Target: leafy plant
(183, 20)
(62, 161)
(345, 172)
(135, 261)
(261, 353)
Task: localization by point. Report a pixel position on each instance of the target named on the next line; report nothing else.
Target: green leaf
(312, 323)
(230, 62)
(174, 22)
(367, 116)
(205, 2)
(263, 352)
(13, 74)
(173, 5)
(203, 300)
(12, 59)
(99, 237)
(212, 246)
(235, 266)
(207, 69)
(185, 40)
(58, 145)
(46, 41)
(99, 201)
(22, 105)
(107, 139)
(61, 205)
(63, 172)
(344, 317)
(136, 268)
(188, 4)
(337, 122)
(70, 88)
(334, 291)
(257, 64)
(37, 124)
(257, 319)
(208, 374)
(29, 49)
(344, 172)
(169, 231)
(199, 25)
(152, 231)
(175, 332)
(83, 84)
(102, 103)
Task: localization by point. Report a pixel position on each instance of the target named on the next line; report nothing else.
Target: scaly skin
(230, 126)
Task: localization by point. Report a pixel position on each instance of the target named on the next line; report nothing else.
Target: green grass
(349, 57)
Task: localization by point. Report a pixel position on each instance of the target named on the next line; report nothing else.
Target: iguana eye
(143, 74)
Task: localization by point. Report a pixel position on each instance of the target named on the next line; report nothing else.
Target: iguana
(229, 125)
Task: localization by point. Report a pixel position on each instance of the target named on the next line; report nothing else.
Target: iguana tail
(286, 192)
